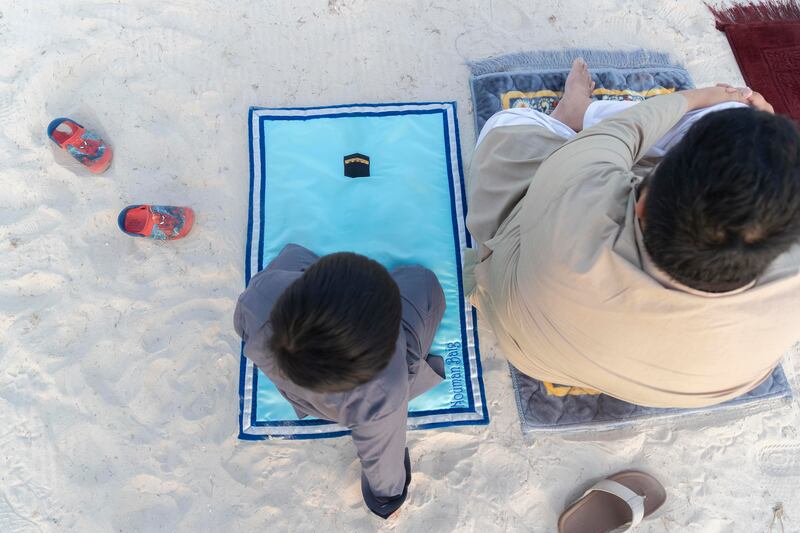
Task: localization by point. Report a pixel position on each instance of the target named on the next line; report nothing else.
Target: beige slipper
(622, 499)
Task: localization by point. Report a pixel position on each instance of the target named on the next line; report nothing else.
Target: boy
(347, 341)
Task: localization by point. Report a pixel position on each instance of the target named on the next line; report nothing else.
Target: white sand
(118, 383)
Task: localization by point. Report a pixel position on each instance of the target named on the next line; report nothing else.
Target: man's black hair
(725, 201)
(336, 327)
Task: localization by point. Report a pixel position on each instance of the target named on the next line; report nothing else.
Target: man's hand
(708, 96)
(753, 98)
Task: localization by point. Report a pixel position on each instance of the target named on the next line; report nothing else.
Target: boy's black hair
(336, 327)
(725, 201)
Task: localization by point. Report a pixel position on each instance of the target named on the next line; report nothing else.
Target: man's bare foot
(577, 96)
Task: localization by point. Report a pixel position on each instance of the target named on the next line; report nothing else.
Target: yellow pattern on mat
(510, 95)
(535, 94)
(561, 390)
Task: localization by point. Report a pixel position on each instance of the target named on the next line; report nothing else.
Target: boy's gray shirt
(376, 411)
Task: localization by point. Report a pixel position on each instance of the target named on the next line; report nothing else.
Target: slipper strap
(77, 133)
(74, 139)
(634, 501)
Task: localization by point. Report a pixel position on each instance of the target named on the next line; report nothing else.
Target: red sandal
(160, 222)
(82, 144)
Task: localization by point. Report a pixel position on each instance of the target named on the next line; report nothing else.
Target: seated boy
(347, 341)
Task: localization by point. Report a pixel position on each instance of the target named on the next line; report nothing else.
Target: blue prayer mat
(382, 180)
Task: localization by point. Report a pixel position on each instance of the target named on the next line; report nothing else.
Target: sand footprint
(780, 459)
(12, 521)
(165, 328)
(19, 223)
(6, 101)
(29, 467)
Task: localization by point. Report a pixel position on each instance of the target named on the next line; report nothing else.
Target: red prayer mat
(765, 38)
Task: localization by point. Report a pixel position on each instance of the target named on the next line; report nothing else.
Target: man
(670, 286)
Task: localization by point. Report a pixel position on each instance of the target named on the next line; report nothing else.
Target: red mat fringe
(756, 12)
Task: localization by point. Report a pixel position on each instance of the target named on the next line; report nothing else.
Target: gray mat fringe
(562, 59)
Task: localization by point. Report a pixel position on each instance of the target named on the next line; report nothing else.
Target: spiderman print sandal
(160, 222)
(82, 144)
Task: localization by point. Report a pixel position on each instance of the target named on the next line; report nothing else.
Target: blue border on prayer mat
(428, 130)
(524, 79)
